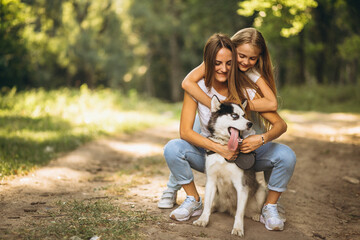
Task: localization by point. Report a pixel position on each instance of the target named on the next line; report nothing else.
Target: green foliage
(321, 98)
(13, 52)
(39, 124)
(182, 28)
(321, 39)
(295, 14)
(350, 49)
(83, 41)
(151, 45)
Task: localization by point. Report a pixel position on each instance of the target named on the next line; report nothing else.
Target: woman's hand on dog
(224, 151)
(250, 143)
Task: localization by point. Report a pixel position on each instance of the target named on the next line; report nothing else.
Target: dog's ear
(243, 104)
(215, 103)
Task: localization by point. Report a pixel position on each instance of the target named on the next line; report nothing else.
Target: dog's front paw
(200, 222)
(237, 231)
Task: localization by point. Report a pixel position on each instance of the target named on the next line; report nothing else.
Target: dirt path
(322, 202)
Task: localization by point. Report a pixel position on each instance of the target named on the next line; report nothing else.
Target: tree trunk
(322, 22)
(319, 71)
(302, 58)
(149, 82)
(353, 72)
(175, 69)
(176, 75)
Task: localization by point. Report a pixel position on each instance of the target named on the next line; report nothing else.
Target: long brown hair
(237, 80)
(213, 45)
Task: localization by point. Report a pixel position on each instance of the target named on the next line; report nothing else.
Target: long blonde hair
(263, 65)
(238, 86)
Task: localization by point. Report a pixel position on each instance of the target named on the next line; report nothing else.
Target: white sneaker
(168, 199)
(189, 208)
(271, 218)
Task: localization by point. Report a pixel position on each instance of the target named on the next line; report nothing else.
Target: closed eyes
(251, 58)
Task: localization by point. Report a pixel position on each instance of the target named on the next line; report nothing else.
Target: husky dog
(223, 178)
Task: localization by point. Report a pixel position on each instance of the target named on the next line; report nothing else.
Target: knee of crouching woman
(289, 158)
(172, 150)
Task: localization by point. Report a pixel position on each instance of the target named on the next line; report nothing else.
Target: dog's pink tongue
(233, 141)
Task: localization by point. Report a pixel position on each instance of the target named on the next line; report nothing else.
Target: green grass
(321, 98)
(37, 125)
(86, 219)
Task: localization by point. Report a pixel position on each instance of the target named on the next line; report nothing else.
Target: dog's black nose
(249, 124)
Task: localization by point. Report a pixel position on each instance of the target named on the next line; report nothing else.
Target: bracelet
(262, 138)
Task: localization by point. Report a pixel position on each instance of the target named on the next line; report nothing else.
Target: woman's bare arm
(264, 104)
(278, 128)
(187, 133)
(268, 103)
(189, 84)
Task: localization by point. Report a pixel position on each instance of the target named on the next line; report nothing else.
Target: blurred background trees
(150, 46)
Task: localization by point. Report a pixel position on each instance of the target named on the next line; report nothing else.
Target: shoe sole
(194, 214)
(165, 206)
(268, 228)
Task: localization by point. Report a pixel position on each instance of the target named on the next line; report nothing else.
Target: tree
(295, 14)
(315, 31)
(74, 42)
(280, 20)
(172, 35)
(14, 59)
(150, 46)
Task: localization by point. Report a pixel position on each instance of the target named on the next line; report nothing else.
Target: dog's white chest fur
(217, 165)
(224, 172)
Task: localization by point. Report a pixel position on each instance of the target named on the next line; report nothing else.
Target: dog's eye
(235, 116)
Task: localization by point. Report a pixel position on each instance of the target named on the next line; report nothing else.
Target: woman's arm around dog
(187, 133)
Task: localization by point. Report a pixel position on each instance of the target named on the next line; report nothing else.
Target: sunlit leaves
(294, 13)
(14, 12)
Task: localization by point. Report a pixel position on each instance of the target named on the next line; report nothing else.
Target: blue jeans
(278, 160)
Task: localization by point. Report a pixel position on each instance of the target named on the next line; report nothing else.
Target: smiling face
(247, 56)
(222, 64)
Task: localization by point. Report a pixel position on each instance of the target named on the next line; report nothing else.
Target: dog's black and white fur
(224, 178)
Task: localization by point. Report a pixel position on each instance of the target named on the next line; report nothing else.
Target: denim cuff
(183, 182)
(276, 189)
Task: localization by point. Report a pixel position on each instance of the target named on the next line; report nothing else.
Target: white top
(205, 113)
(253, 74)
